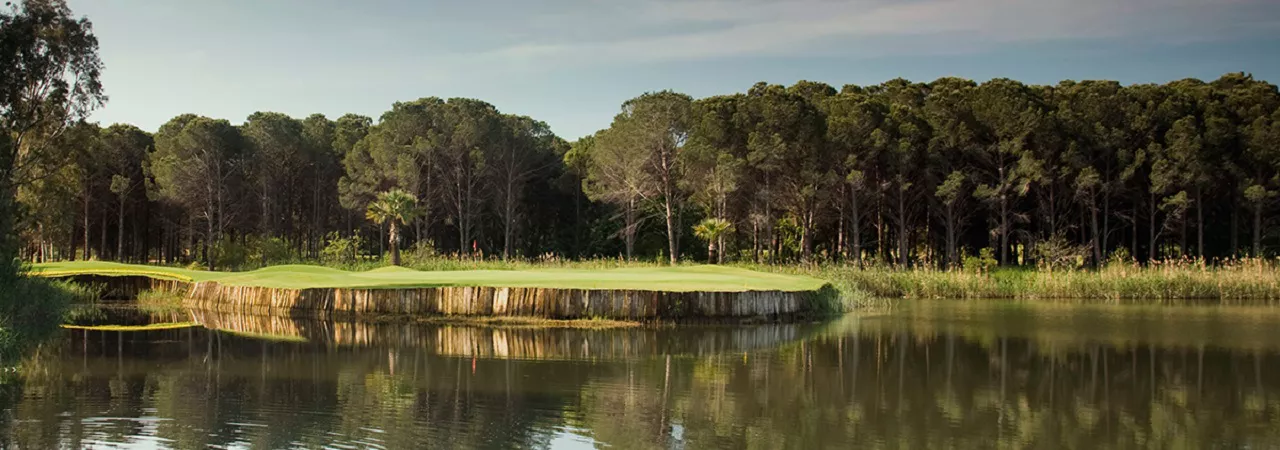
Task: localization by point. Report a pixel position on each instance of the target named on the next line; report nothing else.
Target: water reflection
(935, 375)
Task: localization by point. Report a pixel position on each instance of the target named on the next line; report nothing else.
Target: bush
(983, 263)
(228, 253)
(269, 251)
(422, 252)
(341, 250)
(1057, 253)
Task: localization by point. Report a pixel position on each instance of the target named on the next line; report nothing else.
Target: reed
(162, 299)
(1238, 281)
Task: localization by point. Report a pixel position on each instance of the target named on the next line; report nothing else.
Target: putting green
(670, 279)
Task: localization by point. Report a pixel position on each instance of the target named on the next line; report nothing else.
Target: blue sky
(571, 63)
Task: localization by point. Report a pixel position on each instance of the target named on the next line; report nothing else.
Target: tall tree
(198, 166)
(278, 153)
(637, 159)
(1262, 160)
(712, 161)
(952, 143)
(524, 150)
(126, 151)
(49, 79)
(1008, 113)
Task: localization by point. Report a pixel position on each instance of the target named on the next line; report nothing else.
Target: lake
(976, 374)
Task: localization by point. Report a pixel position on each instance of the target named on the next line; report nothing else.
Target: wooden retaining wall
(489, 301)
(467, 301)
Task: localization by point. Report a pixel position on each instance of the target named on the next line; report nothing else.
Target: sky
(571, 63)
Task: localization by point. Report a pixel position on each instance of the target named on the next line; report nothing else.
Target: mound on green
(669, 279)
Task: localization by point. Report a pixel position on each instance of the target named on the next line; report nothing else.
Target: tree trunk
(1199, 224)
(1106, 223)
(1151, 230)
(394, 242)
(1257, 230)
(857, 229)
(951, 235)
(839, 234)
(1097, 239)
(902, 228)
(86, 224)
(1235, 229)
(102, 244)
(1004, 230)
(509, 207)
(629, 228)
(208, 256)
(806, 236)
(671, 230)
(120, 231)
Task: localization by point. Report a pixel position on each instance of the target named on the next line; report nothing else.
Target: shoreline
(632, 295)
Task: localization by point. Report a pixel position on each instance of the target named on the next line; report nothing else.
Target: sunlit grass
(147, 327)
(652, 278)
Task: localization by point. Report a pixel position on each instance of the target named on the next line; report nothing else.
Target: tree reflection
(913, 381)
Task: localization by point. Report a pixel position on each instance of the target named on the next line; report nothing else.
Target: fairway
(668, 279)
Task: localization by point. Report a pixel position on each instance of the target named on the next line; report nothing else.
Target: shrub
(341, 250)
(269, 250)
(422, 252)
(227, 253)
(1056, 253)
(983, 263)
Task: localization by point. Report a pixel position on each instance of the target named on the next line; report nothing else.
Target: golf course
(669, 293)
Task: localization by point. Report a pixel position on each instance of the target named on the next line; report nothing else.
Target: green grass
(672, 279)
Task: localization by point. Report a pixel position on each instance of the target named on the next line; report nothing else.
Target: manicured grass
(672, 279)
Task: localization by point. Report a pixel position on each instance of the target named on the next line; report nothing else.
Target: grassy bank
(670, 279)
(1252, 281)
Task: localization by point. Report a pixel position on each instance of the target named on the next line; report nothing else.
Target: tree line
(902, 173)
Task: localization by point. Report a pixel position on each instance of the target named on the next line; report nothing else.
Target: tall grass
(31, 310)
(163, 300)
(1242, 281)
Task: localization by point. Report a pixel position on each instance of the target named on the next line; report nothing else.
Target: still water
(926, 375)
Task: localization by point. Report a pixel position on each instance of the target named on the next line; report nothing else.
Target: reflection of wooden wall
(282, 326)
(506, 342)
(488, 301)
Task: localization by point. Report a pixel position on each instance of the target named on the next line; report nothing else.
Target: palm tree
(712, 230)
(395, 208)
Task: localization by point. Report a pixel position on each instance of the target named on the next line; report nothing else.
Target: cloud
(665, 30)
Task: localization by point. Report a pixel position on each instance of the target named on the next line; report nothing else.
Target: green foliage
(341, 250)
(1120, 259)
(270, 251)
(229, 253)
(1056, 253)
(983, 263)
(421, 253)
